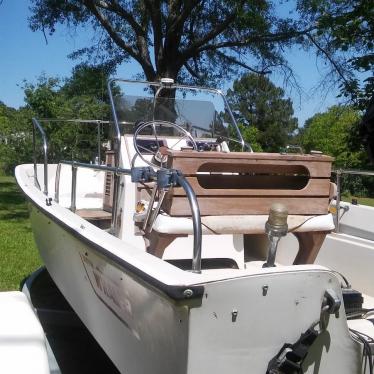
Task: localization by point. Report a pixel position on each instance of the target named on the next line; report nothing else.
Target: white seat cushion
(251, 224)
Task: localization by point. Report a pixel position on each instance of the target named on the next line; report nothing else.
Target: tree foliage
(258, 103)
(336, 133)
(78, 97)
(344, 38)
(15, 137)
(189, 40)
(252, 136)
(203, 41)
(332, 133)
(87, 80)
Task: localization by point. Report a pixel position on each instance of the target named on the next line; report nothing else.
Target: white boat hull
(145, 331)
(168, 292)
(136, 326)
(151, 317)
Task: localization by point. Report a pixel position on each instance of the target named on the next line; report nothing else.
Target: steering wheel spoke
(158, 158)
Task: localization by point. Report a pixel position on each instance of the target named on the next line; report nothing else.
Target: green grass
(18, 254)
(361, 200)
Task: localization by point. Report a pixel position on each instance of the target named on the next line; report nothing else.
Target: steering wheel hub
(154, 130)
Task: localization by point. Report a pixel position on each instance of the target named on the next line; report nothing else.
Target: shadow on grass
(8, 185)
(14, 216)
(18, 253)
(12, 204)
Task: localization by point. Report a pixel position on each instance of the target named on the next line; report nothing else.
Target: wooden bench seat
(242, 183)
(97, 217)
(236, 190)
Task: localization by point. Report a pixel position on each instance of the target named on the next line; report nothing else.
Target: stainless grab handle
(196, 221)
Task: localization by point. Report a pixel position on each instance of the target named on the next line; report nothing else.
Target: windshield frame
(117, 132)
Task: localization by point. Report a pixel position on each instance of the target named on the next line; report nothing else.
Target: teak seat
(241, 183)
(246, 185)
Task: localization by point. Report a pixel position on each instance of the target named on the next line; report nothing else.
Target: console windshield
(203, 112)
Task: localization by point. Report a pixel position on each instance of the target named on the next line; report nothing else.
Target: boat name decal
(113, 295)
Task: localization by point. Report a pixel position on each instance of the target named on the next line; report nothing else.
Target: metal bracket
(332, 301)
(290, 358)
(167, 178)
(142, 174)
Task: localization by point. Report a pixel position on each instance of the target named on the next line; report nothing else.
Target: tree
(15, 137)
(88, 80)
(42, 98)
(366, 130)
(80, 96)
(344, 38)
(187, 40)
(252, 136)
(258, 103)
(335, 133)
(50, 99)
(331, 132)
(201, 41)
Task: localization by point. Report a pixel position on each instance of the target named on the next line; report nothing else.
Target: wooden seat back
(245, 183)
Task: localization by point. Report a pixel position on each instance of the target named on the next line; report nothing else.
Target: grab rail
(57, 183)
(116, 147)
(339, 173)
(111, 169)
(97, 122)
(75, 165)
(36, 125)
(181, 180)
(196, 221)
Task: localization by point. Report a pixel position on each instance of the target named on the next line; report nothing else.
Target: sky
(25, 55)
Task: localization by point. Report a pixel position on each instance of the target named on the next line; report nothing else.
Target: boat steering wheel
(158, 158)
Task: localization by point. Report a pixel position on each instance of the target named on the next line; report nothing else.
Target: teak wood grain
(191, 166)
(249, 183)
(314, 187)
(309, 245)
(245, 155)
(94, 214)
(191, 162)
(215, 206)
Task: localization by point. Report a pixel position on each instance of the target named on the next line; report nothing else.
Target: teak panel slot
(314, 187)
(191, 166)
(248, 168)
(248, 183)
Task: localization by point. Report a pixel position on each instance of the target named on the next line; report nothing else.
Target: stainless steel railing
(73, 203)
(57, 183)
(195, 211)
(339, 173)
(196, 221)
(96, 122)
(116, 148)
(37, 126)
(116, 145)
(74, 168)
